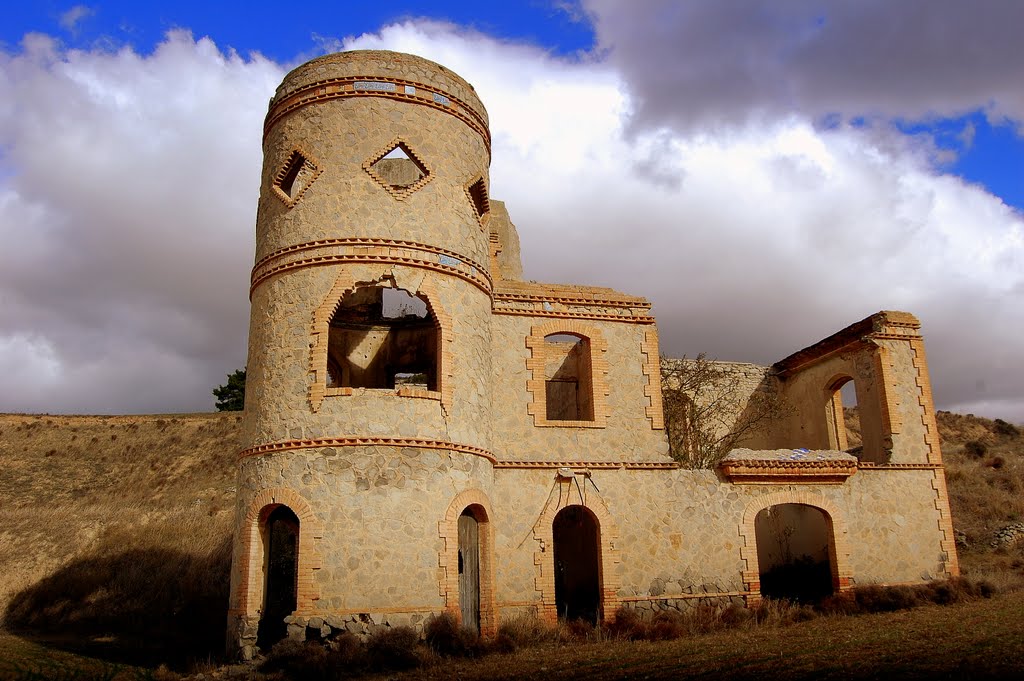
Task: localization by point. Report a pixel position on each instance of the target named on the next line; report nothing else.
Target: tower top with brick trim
(426, 432)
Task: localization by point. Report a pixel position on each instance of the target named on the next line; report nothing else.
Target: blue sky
(765, 172)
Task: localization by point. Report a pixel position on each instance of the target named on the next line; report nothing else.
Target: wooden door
(469, 570)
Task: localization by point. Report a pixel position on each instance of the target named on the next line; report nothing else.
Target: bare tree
(711, 407)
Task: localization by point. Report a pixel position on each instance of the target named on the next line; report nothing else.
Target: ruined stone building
(428, 432)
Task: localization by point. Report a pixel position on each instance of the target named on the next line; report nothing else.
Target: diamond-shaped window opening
(477, 191)
(398, 169)
(295, 177)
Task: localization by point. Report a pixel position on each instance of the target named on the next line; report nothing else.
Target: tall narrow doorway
(469, 570)
(281, 553)
(577, 556)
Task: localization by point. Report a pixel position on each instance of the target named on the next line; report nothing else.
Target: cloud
(129, 184)
(708, 64)
(126, 201)
(70, 19)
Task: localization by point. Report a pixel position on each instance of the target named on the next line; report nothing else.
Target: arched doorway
(469, 570)
(280, 534)
(794, 552)
(577, 554)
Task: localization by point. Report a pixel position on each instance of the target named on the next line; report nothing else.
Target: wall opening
(568, 378)
(794, 552)
(576, 535)
(478, 194)
(399, 169)
(840, 393)
(469, 569)
(383, 338)
(295, 176)
(280, 535)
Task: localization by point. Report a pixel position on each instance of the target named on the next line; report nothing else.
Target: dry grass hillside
(117, 527)
(115, 531)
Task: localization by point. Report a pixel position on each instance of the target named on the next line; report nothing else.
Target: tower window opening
(399, 169)
(296, 176)
(568, 378)
(383, 338)
(478, 194)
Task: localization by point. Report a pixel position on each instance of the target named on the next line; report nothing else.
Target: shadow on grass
(140, 606)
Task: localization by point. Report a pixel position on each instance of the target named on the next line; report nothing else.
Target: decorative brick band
(365, 441)
(568, 315)
(597, 364)
(766, 472)
(652, 370)
(567, 302)
(544, 556)
(448, 557)
(868, 466)
(251, 589)
(591, 465)
(407, 91)
(838, 549)
(360, 250)
(683, 597)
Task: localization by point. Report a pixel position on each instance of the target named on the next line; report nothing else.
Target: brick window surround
(536, 364)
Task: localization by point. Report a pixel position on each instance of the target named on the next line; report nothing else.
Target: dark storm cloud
(708, 64)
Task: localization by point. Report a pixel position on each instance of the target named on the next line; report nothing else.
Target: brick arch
(343, 286)
(544, 555)
(448, 556)
(838, 548)
(833, 406)
(535, 385)
(251, 556)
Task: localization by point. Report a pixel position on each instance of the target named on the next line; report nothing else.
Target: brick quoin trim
(544, 556)
(251, 587)
(652, 370)
(838, 548)
(344, 285)
(448, 557)
(951, 563)
(536, 385)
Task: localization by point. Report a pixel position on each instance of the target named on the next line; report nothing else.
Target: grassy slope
(146, 501)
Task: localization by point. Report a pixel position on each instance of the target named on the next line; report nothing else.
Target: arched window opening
(794, 552)
(841, 415)
(576, 535)
(568, 378)
(469, 566)
(383, 338)
(280, 535)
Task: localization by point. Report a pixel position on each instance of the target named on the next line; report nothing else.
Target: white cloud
(135, 179)
(70, 19)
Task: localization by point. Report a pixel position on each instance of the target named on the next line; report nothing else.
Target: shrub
(526, 630)
(445, 637)
(393, 649)
(1002, 427)
(667, 626)
(299, 660)
(627, 625)
(975, 448)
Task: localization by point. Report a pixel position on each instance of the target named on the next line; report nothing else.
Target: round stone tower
(367, 421)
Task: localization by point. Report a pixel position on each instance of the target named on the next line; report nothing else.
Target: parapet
(387, 74)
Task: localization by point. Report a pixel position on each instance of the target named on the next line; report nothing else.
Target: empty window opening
(577, 554)
(383, 338)
(469, 570)
(399, 168)
(842, 416)
(478, 193)
(568, 381)
(794, 552)
(280, 534)
(296, 175)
